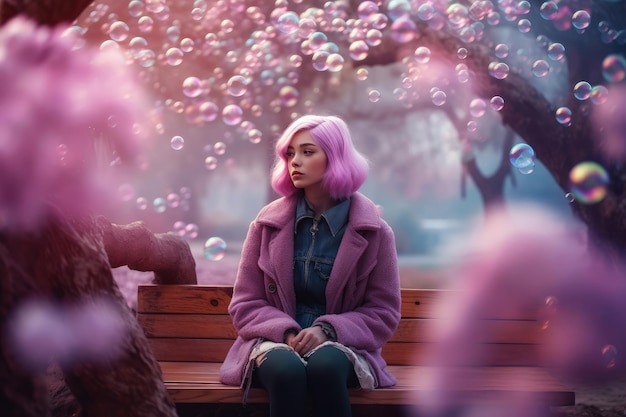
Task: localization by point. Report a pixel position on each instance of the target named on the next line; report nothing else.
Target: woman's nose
(295, 161)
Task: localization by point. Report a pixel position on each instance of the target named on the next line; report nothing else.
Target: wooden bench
(190, 332)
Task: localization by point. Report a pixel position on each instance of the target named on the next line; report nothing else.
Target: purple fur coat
(362, 296)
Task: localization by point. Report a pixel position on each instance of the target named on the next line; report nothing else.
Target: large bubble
(215, 249)
(614, 68)
(522, 155)
(588, 182)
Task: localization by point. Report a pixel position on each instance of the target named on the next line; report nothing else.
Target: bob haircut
(347, 168)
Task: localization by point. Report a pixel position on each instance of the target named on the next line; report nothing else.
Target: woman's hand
(307, 340)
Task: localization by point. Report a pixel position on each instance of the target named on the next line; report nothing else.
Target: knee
(282, 367)
(328, 363)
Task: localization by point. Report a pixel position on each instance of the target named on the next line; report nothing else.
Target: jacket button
(271, 288)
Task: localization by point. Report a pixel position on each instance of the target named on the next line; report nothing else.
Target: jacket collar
(364, 215)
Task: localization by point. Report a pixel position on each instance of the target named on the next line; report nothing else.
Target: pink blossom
(57, 102)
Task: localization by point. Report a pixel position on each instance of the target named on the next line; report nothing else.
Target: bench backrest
(190, 323)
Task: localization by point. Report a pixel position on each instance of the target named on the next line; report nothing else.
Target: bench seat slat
(215, 350)
(416, 303)
(200, 381)
(409, 330)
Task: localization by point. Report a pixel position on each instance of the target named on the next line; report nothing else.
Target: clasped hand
(307, 340)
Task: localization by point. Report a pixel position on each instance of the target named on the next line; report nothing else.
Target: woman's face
(306, 160)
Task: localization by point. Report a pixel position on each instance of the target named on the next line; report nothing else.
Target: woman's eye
(308, 152)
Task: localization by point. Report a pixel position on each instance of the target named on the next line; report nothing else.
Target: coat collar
(364, 215)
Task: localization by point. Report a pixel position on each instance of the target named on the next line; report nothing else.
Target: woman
(317, 292)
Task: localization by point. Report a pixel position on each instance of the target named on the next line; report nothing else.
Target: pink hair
(347, 169)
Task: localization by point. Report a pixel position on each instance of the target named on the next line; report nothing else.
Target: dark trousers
(324, 381)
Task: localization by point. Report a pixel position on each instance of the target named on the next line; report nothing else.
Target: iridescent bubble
(358, 50)
(215, 249)
(403, 30)
(588, 182)
(438, 98)
(232, 114)
(425, 11)
(599, 94)
(208, 111)
(295, 61)
(159, 205)
(141, 203)
(320, 60)
(422, 54)
(458, 15)
(187, 45)
(179, 228)
(146, 58)
(397, 9)
(173, 200)
(219, 148)
(582, 90)
(472, 126)
(373, 96)
(581, 19)
(135, 8)
(477, 107)
(614, 68)
(255, 136)
(177, 143)
(118, 31)
(155, 6)
(497, 103)
(288, 96)
(367, 10)
(288, 23)
(237, 85)
(227, 25)
(210, 162)
(540, 68)
(609, 356)
(462, 53)
(335, 62)
(521, 155)
(549, 10)
(502, 50)
(564, 116)
(192, 87)
(137, 44)
(556, 51)
(191, 230)
(498, 70)
(374, 37)
(362, 74)
(174, 56)
(172, 33)
(306, 27)
(145, 24)
(524, 25)
(317, 39)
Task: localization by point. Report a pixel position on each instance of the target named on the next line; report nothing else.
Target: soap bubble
(177, 143)
(192, 87)
(564, 116)
(522, 155)
(119, 31)
(588, 182)
(581, 19)
(288, 22)
(215, 249)
(540, 68)
(582, 90)
(422, 54)
(232, 115)
(237, 85)
(614, 68)
(497, 103)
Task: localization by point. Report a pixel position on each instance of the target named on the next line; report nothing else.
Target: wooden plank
(215, 350)
(199, 382)
(190, 350)
(207, 299)
(409, 330)
(201, 326)
(203, 299)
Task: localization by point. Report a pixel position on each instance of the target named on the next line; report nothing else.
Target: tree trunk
(66, 263)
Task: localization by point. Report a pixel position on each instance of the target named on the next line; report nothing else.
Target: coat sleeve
(372, 323)
(253, 313)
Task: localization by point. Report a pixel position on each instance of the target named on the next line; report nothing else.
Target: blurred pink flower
(57, 101)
